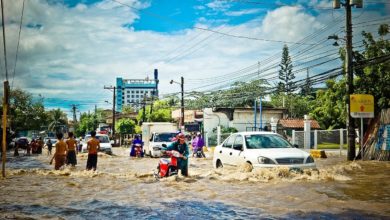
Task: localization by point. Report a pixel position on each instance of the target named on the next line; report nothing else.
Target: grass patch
(333, 146)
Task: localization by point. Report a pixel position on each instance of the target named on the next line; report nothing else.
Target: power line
(17, 47)
(5, 48)
(214, 31)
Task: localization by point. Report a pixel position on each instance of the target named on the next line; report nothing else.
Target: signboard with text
(362, 106)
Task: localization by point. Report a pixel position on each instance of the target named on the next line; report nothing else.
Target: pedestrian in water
(181, 146)
(49, 147)
(40, 144)
(72, 151)
(60, 154)
(93, 145)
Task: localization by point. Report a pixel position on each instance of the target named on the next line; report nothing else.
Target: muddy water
(124, 188)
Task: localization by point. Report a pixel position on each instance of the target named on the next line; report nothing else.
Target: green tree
(161, 112)
(125, 126)
(57, 119)
(330, 108)
(374, 77)
(86, 124)
(285, 73)
(26, 113)
(297, 105)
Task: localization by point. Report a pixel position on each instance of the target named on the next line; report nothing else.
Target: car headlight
(309, 159)
(265, 160)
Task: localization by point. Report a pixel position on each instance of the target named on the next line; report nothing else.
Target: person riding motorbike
(181, 146)
(197, 145)
(136, 146)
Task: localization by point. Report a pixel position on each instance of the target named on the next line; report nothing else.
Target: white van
(157, 135)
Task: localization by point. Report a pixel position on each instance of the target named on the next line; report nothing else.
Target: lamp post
(182, 100)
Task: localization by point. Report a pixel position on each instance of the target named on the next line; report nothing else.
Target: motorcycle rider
(197, 145)
(137, 140)
(181, 146)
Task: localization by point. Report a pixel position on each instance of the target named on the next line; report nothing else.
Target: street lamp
(182, 101)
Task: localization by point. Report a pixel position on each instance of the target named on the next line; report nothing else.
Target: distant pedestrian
(40, 144)
(72, 150)
(60, 154)
(49, 145)
(93, 145)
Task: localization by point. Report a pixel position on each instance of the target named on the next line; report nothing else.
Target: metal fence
(318, 138)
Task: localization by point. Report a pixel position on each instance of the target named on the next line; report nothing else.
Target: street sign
(362, 106)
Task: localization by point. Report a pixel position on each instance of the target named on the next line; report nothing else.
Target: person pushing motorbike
(181, 146)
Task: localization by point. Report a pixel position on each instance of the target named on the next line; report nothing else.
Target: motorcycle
(198, 152)
(168, 167)
(138, 150)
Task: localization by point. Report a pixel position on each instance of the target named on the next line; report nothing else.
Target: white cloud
(288, 24)
(79, 50)
(218, 5)
(243, 12)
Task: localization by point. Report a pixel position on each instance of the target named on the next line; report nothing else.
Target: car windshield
(164, 137)
(102, 139)
(260, 141)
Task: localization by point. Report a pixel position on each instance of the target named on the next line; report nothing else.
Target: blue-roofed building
(133, 92)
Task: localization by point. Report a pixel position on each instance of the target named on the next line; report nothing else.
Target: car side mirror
(296, 146)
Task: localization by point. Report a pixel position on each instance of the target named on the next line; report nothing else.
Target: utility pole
(182, 103)
(113, 111)
(143, 111)
(5, 98)
(349, 71)
(4, 127)
(74, 108)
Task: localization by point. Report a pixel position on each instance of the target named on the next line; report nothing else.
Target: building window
(128, 96)
(132, 96)
(142, 91)
(137, 96)
(137, 91)
(128, 91)
(132, 91)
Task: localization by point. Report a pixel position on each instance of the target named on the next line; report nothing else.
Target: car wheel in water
(219, 164)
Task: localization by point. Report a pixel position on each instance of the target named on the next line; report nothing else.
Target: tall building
(133, 92)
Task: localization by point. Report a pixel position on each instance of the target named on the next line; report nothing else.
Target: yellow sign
(362, 106)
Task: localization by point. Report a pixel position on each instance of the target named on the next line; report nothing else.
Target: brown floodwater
(125, 188)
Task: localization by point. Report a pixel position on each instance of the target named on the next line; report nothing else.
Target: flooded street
(124, 188)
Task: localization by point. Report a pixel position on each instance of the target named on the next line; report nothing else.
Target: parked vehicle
(105, 143)
(156, 135)
(260, 149)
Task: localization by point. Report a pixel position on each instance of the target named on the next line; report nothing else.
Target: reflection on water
(124, 188)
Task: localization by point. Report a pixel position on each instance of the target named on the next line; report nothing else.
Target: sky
(70, 49)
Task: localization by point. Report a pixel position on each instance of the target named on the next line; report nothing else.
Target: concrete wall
(242, 119)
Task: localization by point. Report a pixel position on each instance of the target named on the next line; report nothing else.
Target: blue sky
(70, 49)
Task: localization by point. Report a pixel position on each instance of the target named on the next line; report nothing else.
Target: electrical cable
(17, 46)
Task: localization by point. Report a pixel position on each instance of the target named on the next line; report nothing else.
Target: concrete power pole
(74, 108)
(182, 103)
(349, 71)
(113, 111)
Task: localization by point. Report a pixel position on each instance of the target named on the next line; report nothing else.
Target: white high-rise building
(133, 92)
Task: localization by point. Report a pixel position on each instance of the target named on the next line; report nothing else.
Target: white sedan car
(105, 143)
(260, 149)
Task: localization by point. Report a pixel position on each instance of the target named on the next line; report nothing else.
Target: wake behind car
(105, 143)
(260, 149)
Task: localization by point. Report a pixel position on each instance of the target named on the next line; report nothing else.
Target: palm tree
(57, 118)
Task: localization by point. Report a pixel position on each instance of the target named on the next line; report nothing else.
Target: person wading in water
(93, 145)
(60, 154)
